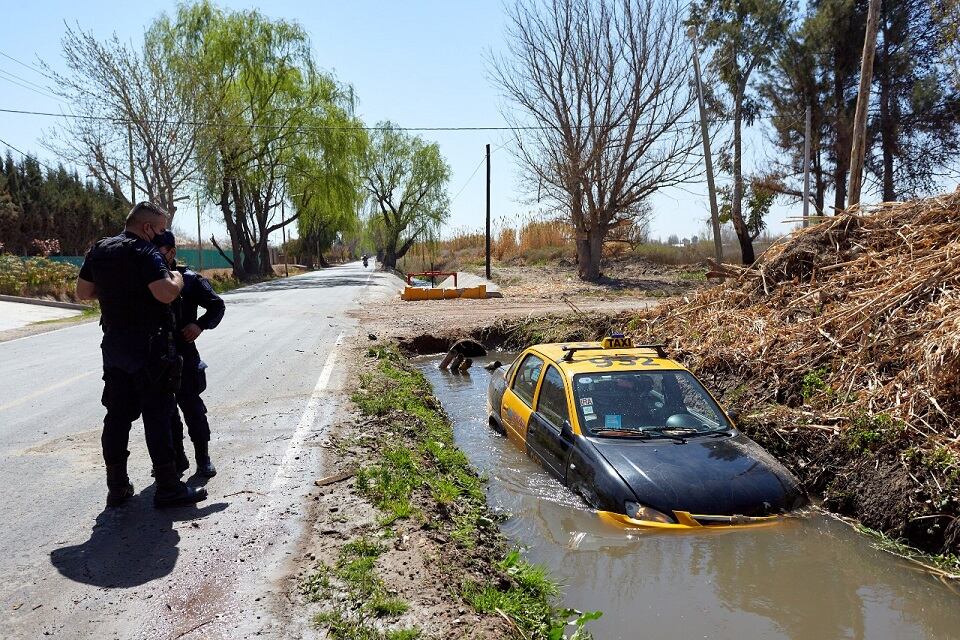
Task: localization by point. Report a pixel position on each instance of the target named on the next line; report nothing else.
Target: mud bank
(403, 545)
(863, 465)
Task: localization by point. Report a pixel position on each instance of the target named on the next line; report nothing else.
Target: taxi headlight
(640, 512)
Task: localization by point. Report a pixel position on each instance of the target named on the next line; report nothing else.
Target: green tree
(744, 36)
(259, 103)
(406, 181)
(796, 81)
(915, 123)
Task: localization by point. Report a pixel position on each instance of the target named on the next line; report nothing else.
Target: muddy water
(808, 578)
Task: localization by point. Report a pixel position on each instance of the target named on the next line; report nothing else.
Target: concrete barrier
(413, 294)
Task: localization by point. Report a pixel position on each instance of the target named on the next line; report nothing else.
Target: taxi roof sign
(615, 341)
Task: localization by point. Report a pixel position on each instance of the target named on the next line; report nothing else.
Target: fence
(190, 257)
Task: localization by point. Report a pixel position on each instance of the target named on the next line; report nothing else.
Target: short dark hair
(142, 211)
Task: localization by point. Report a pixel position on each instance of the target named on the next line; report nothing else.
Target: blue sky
(417, 63)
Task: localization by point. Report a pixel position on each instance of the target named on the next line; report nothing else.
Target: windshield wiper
(719, 432)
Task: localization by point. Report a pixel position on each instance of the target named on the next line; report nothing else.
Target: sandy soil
(531, 291)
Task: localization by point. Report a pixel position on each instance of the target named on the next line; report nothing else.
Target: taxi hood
(712, 475)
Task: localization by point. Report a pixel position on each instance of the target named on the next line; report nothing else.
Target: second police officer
(197, 294)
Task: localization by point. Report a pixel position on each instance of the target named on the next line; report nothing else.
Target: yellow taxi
(637, 436)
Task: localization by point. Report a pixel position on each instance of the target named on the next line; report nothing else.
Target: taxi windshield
(645, 403)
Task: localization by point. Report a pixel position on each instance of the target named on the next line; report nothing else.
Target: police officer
(197, 293)
(129, 277)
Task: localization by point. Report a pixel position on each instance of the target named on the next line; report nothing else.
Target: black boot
(205, 468)
(119, 487)
(182, 462)
(171, 492)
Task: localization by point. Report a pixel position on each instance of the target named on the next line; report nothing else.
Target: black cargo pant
(193, 382)
(127, 396)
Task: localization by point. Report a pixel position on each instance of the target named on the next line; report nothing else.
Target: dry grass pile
(852, 329)
(870, 300)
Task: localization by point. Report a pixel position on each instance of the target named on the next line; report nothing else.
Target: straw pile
(867, 302)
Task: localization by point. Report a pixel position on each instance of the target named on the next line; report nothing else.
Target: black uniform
(197, 293)
(137, 346)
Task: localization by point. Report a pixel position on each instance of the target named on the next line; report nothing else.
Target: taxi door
(545, 440)
(517, 404)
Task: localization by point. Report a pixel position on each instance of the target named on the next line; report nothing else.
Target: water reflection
(802, 579)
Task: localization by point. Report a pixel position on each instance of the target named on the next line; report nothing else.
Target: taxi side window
(526, 381)
(552, 402)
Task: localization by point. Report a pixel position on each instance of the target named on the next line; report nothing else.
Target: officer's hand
(190, 332)
(177, 278)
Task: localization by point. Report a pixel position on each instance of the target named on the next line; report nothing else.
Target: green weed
(867, 432)
(814, 383)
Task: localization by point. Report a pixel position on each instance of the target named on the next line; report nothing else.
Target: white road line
(305, 425)
(46, 333)
(40, 392)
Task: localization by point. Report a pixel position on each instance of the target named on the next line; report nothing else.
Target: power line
(227, 125)
(482, 160)
(27, 155)
(19, 81)
(26, 65)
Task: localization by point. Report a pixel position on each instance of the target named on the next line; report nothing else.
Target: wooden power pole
(708, 158)
(858, 150)
(488, 212)
(133, 184)
(199, 237)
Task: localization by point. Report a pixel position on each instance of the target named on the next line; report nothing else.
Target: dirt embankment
(841, 347)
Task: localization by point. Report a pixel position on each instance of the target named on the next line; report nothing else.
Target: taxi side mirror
(567, 431)
(734, 415)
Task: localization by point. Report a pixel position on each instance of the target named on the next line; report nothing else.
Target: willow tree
(326, 192)
(603, 111)
(259, 103)
(406, 181)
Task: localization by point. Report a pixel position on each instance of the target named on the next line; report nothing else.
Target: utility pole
(858, 150)
(133, 184)
(806, 169)
(283, 228)
(708, 158)
(488, 212)
(199, 237)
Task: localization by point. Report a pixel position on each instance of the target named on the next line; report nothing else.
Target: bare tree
(604, 112)
(126, 103)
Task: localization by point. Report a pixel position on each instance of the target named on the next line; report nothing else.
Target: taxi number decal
(608, 361)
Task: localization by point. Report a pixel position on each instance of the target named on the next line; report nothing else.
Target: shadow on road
(130, 545)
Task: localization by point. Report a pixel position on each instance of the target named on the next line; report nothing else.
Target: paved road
(72, 569)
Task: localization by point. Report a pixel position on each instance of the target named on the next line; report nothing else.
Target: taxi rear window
(633, 402)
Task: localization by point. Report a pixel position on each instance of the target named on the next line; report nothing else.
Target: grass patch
(946, 565)
(420, 472)
(355, 573)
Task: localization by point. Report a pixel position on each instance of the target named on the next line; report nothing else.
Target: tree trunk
(589, 252)
(389, 259)
(888, 127)
(841, 144)
(323, 261)
(736, 204)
